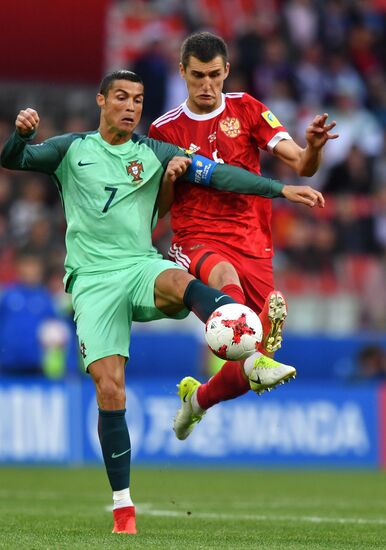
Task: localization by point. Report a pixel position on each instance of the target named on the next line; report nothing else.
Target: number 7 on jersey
(113, 192)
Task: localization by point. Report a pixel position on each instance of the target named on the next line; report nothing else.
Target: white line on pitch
(148, 511)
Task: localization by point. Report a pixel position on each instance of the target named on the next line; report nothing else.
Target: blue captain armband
(200, 171)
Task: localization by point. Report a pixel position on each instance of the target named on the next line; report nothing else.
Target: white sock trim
(250, 362)
(122, 498)
(195, 405)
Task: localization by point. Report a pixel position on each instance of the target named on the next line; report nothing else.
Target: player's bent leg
(272, 318)
(175, 289)
(190, 412)
(264, 373)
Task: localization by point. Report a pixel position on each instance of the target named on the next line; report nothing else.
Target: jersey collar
(206, 116)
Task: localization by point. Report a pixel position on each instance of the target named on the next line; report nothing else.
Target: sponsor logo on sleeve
(269, 117)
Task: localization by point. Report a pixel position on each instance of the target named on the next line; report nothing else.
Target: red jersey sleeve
(266, 129)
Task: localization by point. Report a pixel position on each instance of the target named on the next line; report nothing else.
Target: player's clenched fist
(27, 121)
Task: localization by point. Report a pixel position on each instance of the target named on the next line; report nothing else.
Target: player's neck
(202, 110)
(114, 137)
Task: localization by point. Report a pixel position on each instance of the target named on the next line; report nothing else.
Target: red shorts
(255, 274)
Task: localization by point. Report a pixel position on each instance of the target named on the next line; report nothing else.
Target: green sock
(203, 300)
(116, 447)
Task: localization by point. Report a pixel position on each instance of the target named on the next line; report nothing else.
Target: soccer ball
(233, 332)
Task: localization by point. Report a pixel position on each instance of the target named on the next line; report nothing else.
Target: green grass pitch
(50, 508)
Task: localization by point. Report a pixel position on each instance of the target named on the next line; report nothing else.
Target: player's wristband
(200, 171)
(28, 137)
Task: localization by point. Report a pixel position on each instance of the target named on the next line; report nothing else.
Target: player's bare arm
(303, 194)
(306, 161)
(176, 168)
(27, 121)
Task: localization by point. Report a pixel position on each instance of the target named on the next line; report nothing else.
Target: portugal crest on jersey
(134, 169)
(230, 126)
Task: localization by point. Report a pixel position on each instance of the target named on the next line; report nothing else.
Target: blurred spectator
(334, 24)
(310, 247)
(353, 175)
(357, 126)
(374, 295)
(152, 66)
(343, 80)
(354, 226)
(302, 21)
(25, 307)
(7, 266)
(273, 66)
(175, 85)
(371, 364)
(43, 241)
(362, 49)
(380, 217)
(282, 103)
(310, 76)
(249, 45)
(28, 207)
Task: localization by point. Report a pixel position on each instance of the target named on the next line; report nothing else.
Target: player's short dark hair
(122, 74)
(205, 46)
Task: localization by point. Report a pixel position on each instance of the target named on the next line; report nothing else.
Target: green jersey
(109, 192)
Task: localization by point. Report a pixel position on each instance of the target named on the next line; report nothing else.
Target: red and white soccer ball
(233, 332)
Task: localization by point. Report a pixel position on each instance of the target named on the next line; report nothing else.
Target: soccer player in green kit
(109, 181)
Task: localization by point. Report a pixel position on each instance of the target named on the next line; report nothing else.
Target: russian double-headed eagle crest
(230, 126)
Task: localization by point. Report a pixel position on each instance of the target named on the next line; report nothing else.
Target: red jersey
(233, 133)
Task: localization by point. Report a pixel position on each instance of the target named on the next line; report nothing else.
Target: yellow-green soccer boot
(188, 414)
(268, 373)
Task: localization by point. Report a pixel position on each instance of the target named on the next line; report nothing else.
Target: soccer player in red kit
(223, 239)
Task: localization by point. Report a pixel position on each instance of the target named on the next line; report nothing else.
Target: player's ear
(227, 67)
(100, 99)
(182, 70)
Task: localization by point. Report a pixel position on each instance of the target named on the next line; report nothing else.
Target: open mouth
(128, 120)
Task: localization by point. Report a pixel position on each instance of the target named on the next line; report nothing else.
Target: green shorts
(106, 304)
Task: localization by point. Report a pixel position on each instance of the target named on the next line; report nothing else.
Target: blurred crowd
(300, 57)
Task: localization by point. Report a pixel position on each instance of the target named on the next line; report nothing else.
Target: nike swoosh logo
(117, 455)
(80, 163)
(219, 297)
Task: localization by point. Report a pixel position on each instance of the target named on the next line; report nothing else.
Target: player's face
(121, 110)
(205, 82)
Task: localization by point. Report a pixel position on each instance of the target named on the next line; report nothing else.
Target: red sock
(228, 383)
(235, 292)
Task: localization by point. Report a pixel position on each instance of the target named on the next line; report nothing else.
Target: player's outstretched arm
(306, 161)
(203, 171)
(18, 154)
(225, 177)
(232, 178)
